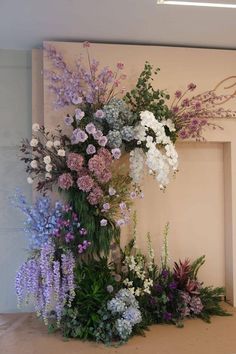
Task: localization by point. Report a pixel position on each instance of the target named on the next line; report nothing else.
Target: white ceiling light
(197, 3)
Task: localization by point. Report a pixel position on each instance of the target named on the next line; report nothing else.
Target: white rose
(47, 159)
(57, 143)
(35, 127)
(34, 142)
(48, 168)
(30, 180)
(49, 144)
(61, 152)
(48, 175)
(34, 164)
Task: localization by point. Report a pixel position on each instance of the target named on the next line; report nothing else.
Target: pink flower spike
(192, 86)
(86, 44)
(120, 66)
(178, 94)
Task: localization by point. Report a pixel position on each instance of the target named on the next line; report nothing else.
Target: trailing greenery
(83, 318)
(212, 299)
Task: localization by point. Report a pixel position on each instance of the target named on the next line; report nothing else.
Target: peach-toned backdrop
(198, 203)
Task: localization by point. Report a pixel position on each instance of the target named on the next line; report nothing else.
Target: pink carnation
(105, 176)
(74, 161)
(65, 181)
(97, 164)
(105, 153)
(95, 195)
(85, 183)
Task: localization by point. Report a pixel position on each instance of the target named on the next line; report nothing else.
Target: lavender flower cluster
(47, 282)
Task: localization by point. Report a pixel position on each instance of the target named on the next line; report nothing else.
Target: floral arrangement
(73, 240)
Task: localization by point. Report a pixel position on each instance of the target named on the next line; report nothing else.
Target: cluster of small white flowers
(136, 265)
(161, 157)
(151, 255)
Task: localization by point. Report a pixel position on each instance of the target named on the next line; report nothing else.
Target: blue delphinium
(41, 218)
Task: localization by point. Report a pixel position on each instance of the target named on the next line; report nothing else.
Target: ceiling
(24, 24)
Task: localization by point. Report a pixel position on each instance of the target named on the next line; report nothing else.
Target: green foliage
(83, 318)
(196, 265)
(100, 237)
(145, 97)
(211, 299)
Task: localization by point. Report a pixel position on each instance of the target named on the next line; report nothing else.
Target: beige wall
(15, 120)
(200, 202)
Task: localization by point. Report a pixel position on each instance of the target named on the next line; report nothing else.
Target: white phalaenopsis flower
(34, 142)
(48, 168)
(49, 144)
(35, 127)
(47, 159)
(48, 175)
(34, 164)
(30, 180)
(57, 143)
(161, 156)
(61, 152)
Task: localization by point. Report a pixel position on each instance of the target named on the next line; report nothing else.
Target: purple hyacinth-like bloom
(78, 136)
(116, 153)
(90, 150)
(167, 316)
(90, 128)
(79, 114)
(165, 273)
(102, 141)
(99, 114)
(68, 120)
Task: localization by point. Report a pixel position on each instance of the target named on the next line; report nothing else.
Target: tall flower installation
(74, 240)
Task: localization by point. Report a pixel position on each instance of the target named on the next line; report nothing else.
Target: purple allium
(68, 120)
(90, 128)
(99, 114)
(79, 114)
(116, 153)
(65, 181)
(103, 222)
(102, 141)
(74, 161)
(85, 183)
(90, 150)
